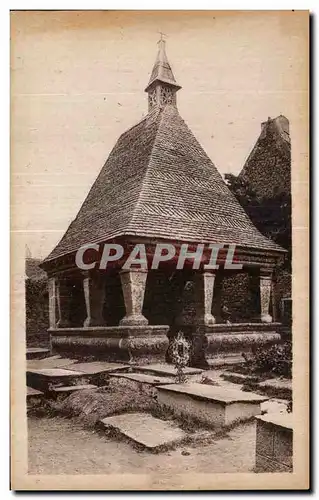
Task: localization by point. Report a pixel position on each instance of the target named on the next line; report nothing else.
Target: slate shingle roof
(158, 182)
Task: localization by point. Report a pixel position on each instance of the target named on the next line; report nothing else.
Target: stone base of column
(93, 322)
(209, 319)
(265, 318)
(63, 323)
(128, 344)
(134, 320)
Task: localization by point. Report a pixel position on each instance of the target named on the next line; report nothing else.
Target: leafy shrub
(276, 359)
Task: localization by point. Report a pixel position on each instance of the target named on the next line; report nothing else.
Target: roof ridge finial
(162, 35)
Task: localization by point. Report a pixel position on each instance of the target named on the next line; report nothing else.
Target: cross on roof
(162, 35)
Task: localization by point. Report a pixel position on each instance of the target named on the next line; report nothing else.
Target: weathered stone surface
(144, 378)
(239, 341)
(34, 398)
(166, 369)
(274, 441)
(282, 419)
(213, 393)
(56, 372)
(37, 352)
(145, 430)
(139, 344)
(73, 388)
(133, 286)
(33, 392)
(46, 378)
(52, 362)
(216, 406)
(239, 378)
(97, 367)
(224, 360)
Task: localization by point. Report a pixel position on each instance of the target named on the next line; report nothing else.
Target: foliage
(272, 216)
(37, 313)
(276, 359)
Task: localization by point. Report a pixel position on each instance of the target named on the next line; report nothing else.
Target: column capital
(133, 270)
(266, 272)
(209, 272)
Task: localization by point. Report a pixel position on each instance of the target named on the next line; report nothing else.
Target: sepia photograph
(159, 241)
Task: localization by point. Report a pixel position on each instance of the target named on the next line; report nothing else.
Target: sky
(78, 80)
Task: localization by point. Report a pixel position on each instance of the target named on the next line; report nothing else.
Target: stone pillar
(94, 294)
(133, 286)
(63, 300)
(217, 297)
(204, 292)
(265, 292)
(52, 286)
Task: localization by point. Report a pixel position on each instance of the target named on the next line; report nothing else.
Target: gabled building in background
(263, 187)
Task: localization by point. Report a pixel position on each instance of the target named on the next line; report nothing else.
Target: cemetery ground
(67, 436)
(65, 446)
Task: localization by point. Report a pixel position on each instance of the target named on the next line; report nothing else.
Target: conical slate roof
(158, 182)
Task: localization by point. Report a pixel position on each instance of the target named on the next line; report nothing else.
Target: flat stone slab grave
(73, 388)
(99, 367)
(274, 442)
(144, 378)
(216, 406)
(165, 369)
(37, 352)
(33, 392)
(98, 371)
(144, 429)
(46, 378)
(33, 397)
(51, 362)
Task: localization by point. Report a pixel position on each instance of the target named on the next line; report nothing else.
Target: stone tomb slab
(144, 429)
(144, 378)
(73, 388)
(51, 362)
(46, 378)
(99, 367)
(166, 369)
(274, 442)
(33, 392)
(37, 352)
(34, 397)
(215, 406)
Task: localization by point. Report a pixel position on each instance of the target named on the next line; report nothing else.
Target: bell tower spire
(162, 86)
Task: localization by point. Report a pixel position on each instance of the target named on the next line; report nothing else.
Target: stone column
(265, 292)
(94, 294)
(133, 286)
(52, 286)
(63, 300)
(217, 297)
(204, 292)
